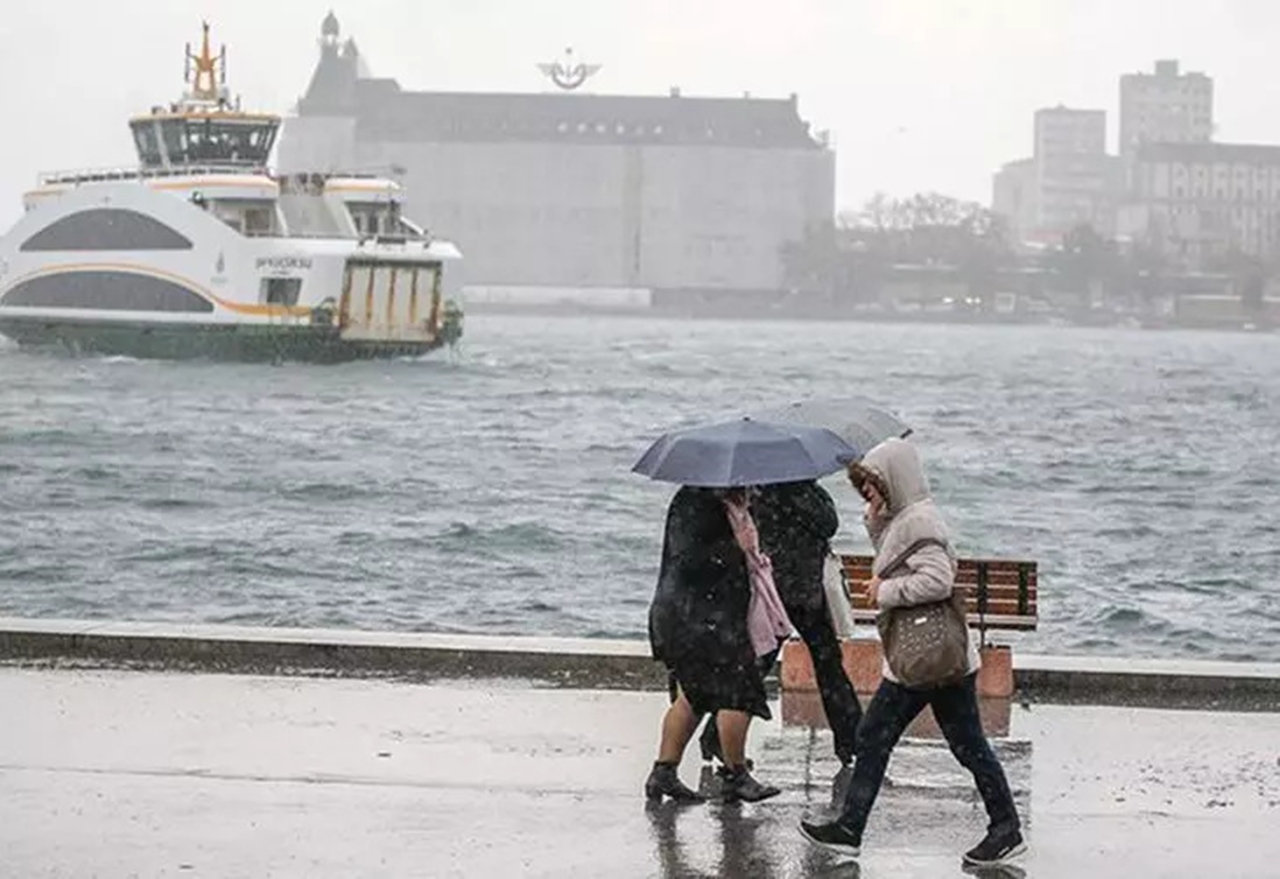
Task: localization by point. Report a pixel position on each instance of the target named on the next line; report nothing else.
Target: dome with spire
(330, 26)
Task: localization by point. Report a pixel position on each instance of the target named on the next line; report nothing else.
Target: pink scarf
(767, 621)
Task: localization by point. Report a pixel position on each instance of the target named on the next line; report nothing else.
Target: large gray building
(1199, 201)
(680, 195)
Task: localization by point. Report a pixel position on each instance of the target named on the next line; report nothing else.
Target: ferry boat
(200, 251)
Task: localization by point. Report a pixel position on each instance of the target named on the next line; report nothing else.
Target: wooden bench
(1001, 595)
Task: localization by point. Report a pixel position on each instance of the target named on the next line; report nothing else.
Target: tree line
(850, 258)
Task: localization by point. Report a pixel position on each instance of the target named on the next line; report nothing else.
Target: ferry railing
(102, 175)
(105, 175)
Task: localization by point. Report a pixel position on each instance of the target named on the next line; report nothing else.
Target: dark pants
(956, 710)
(839, 701)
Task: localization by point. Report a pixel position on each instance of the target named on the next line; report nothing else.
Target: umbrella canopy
(744, 452)
(856, 420)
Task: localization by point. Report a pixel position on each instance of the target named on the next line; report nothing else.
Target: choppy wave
(493, 493)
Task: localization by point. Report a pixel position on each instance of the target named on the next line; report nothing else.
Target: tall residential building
(1068, 181)
(1073, 182)
(566, 189)
(1164, 107)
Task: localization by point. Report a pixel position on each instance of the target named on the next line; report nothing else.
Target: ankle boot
(664, 782)
(739, 785)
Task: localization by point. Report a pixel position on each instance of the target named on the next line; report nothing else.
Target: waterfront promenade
(114, 772)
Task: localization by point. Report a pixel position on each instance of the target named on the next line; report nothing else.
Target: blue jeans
(956, 709)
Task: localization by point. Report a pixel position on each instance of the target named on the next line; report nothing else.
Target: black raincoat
(698, 618)
(797, 521)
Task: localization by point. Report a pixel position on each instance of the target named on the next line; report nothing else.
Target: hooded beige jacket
(929, 574)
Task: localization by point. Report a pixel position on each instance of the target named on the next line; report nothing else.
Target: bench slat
(994, 608)
(994, 592)
(1025, 624)
(963, 575)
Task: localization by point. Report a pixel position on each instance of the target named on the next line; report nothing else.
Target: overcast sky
(918, 94)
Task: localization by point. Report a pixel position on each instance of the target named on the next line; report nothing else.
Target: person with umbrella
(715, 611)
(698, 627)
(797, 522)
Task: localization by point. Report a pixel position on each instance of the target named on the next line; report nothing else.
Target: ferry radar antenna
(208, 69)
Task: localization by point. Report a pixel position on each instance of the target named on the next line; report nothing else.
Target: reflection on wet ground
(927, 798)
(121, 774)
(744, 847)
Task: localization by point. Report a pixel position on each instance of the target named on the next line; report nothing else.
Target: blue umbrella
(744, 452)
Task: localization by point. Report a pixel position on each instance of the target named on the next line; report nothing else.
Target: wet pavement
(115, 773)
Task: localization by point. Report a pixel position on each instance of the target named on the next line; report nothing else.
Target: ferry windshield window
(204, 140)
(148, 144)
(175, 140)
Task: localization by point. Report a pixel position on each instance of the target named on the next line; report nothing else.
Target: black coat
(699, 612)
(796, 521)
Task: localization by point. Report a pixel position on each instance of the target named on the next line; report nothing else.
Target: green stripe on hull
(170, 341)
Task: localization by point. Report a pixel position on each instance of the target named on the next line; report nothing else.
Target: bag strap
(908, 553)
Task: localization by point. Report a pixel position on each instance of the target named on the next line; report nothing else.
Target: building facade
(1073, 172)
(1068, 181)
(1166, 106)
(1014, 196)
(571, 190)
(1200, 201)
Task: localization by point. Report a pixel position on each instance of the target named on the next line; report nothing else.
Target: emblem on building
(568, 72)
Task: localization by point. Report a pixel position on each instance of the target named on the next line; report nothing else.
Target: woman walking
(797, 521)
(704, 626)
(914, 568)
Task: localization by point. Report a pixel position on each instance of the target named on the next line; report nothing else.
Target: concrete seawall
(568, 662)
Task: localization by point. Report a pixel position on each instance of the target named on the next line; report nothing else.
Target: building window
(107, 291)
(106, 229)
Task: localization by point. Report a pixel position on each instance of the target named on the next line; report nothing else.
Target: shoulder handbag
(836, 591)
(926, 645)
